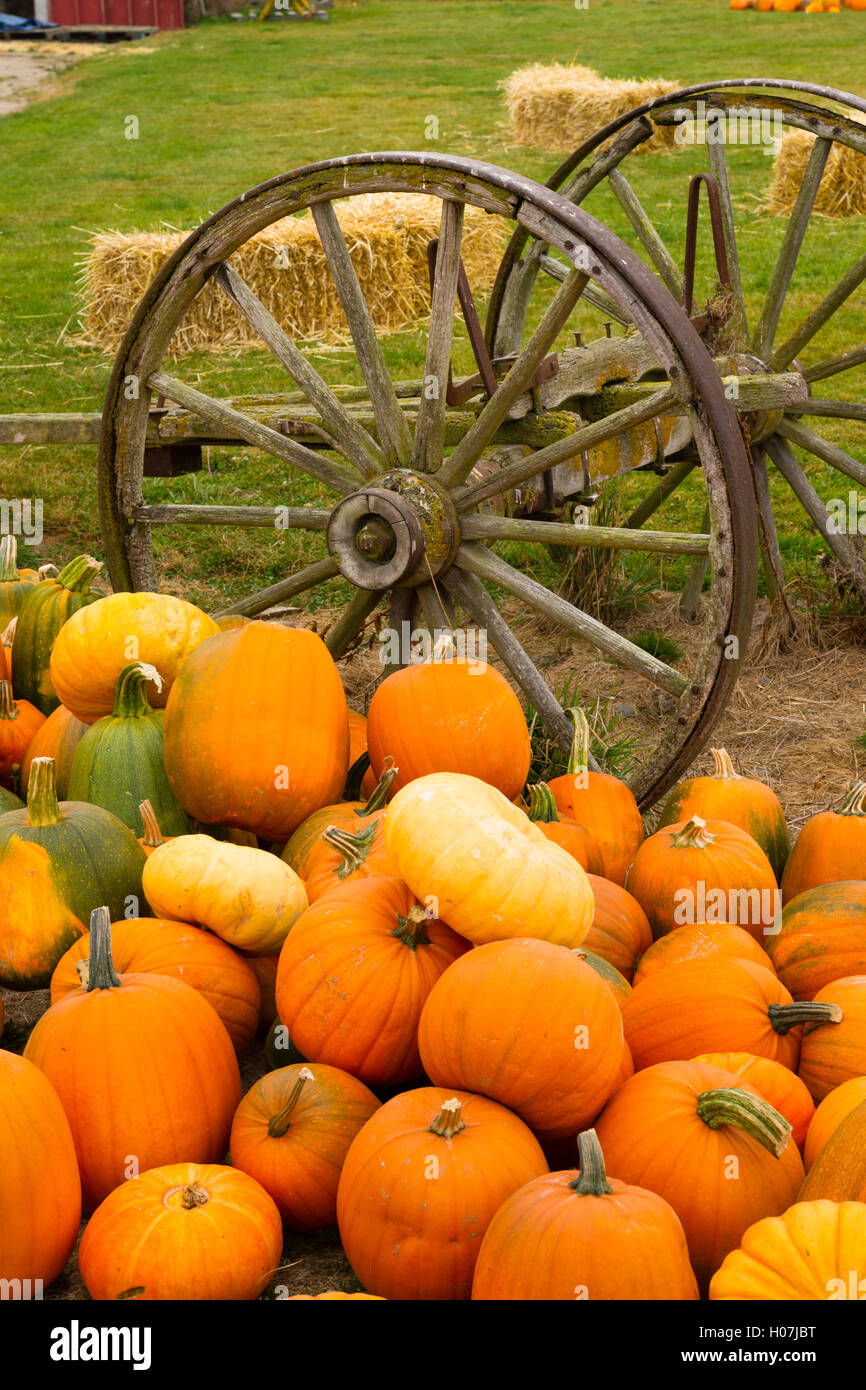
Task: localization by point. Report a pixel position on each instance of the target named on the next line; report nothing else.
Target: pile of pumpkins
(519, 1048)
(789, 6)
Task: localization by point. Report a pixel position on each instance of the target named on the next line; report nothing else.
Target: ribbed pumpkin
(563, 831)
(836, 1051)
(823, 937)
(6, 651)
(57, 738)
(602, 804)
(528, 1024)
(357, 748)
(45, 610)
(94, 647)
(839, 1171)
(490, 873)
(620, 932)
(334, 1296)
(56, 860)
(188, 1231)
(742, 801)
(256, 730)
(15, 584)
(715, 1004)
(292, 1131)
(704, 871)
(351, 816)
(19, 723)
(420, 1185)
(265, 970)
(582, 1235)
(354, 975)
(830, 848)
(707, 1143)
(345, 856)
(9, 801)
(834, 1108)
(119, 762)
(776, 1083)
(609, 973)
(40, 1190)
(814, 1251)
(702, 939)
(152, 946)
(143, 1067)
(248, 897)
(451, 715)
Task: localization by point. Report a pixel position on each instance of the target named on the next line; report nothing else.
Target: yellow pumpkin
(247, 896)
(482, 865)
(95, 644)
(813, 1251)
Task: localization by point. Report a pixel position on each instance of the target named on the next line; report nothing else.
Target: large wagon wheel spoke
(850, 281)
(834, 366)
(646, 233)
(786, 463)
(430, 421)
(299, 583)
(718, 162)
(345, 630)
(352, 438)
(821, 448)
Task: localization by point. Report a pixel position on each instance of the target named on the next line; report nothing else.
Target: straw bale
(843, 188)
(387, 235)
(557, 107)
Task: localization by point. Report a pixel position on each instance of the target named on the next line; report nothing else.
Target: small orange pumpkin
(776, 1083)
(830, 848)
(19, 723)
(695, 942)
(602, 804)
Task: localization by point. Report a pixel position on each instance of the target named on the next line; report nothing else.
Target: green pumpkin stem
(412, 929)
(8, 707)
(9, 632)
(278, 1124)
(753, 1115)
(130, 700)
(578, 760)
(353, 848)
(450, 1119)
(78, 573)
(43, 808)
(102, 974)
(694, 835)
(8, 560)
(723, 767)
(153, 836)
(380, 792)
(194, 1196)
(542, 806)
(355, 776)
(592, 1179)
(855, 802)
(784, 1017)
(48, 571)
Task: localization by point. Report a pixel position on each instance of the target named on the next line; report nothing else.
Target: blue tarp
(14, 21)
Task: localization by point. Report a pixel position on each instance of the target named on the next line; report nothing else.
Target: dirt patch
(29, 71)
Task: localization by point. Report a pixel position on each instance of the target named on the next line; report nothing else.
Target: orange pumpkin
(839, 1170)
(351, 816)
(684, 1130)
(143, 1067)
(292, 1131)
(563, 831)
(602, 804)
(822, 938)
(836, 1106)
(704, 871)
(583, 1235)
(358, 746)
(19, 723)
(420, 1185)
(15, 584)
(343, 856)
(334, 1296)
(6, 651)
(265, 970)
(620, 932)
(695, 942)
(40, 1190)
(256, 730)
(742, 801)
(451, 715)
(57, 738)
(835, 1051)
(812, 1252)
(186, 1231)
(776, 1083)
(830, 848)
(529, 1024)
(354, 974)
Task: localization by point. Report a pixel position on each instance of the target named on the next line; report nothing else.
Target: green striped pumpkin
(15, 584)
(44, 611)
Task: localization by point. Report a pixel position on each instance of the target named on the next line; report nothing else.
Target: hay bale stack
(843, 187)
(387, 235)
(557, 107)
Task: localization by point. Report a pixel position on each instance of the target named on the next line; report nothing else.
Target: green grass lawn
(227, 105)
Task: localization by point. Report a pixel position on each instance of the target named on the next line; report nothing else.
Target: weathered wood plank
(814, 322)
(344, 631)
(782, 456)
(832, 366)
(479, 527)
(644, 230)
(690, 598)
(838, 410)
(72, 428)
(197, 514)
(775, 391)
(823, 449)
(298, 583)
(430, 422)
(718, 162)
(599, 298)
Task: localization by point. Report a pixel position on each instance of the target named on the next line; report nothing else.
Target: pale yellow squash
(482, 865)
(813, 1251)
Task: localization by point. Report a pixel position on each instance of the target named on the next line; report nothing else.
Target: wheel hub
(399, 530)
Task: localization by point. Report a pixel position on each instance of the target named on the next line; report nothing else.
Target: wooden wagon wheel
(836, 119)
(409, 472)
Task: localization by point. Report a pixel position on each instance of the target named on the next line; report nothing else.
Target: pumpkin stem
(194, 1196)
(784, 1017)
(694, 835)
(353, 848)
(102, 974)
(855, 802)
(48, 571)
(542, 806)
(723, 765)
(411, 930)
(43, 808)
(153, 836)
(444, 646)
(355, 776)
(751, 1114)
(381, 790)
(78, 573)
(578, 760)
(278, 1124)
(130, 701)
(8, 707)
(592, 1180)
(450, 1119)
(9, 632)
(8, 559)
